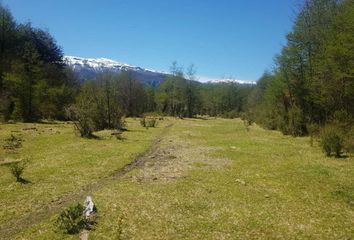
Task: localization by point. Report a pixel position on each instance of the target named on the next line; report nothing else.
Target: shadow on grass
(201, 118)
(93, 136)
(138, 130)
(342, 156)
(23, 181)
(47, 122)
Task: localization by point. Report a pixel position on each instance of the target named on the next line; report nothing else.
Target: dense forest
(309, 91)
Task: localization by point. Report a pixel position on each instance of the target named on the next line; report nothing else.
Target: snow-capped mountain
(230, 80)
(88, 68)
(225, 80)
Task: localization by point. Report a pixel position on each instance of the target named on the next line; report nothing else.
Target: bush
(72, 220)
(143, 122)
(148, 122)
(82, 120)
(332, 140)
(312, 129)
(151, 122)
(349, 140)
(231, 114)
(296, 125)
(345, 122)
(17, 170)
(247, 120)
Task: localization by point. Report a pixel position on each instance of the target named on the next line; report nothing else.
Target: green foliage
(72, 220)
(99, 105)
(173, 95)
(332, 140)
(82, 120)
(148, 122)
(17, 169)
(247, 120)
(313, 130)
(296, 125)
(344, 122)
(349, 140)
(313, 79)
(34, 83)
(226, 99)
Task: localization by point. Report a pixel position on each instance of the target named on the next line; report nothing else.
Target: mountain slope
(88, 68)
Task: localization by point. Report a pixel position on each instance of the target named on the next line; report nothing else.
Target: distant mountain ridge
(88, 68)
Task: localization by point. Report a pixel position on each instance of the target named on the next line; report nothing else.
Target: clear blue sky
(237, 38)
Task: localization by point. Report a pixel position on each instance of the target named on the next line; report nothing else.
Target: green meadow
(196, 179)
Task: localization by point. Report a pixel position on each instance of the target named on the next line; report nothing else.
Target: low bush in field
(332, 140)
(349, 140)
(312, 130)
(17, 169)
(148, 122)
(82, 121)
(72, 220)
(231, 114)
(247, 120)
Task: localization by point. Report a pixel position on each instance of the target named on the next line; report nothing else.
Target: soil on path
(14, 227)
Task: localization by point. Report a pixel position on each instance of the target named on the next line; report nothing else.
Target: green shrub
(82, 120)
(312, 129)
(17, 169)
(143, 122)
(231, 114)
(148, 122)
(345, 122)
(332, 140)
(151, 122)
(72, 220)
(296, 125)
(247, 120)
(349, 140)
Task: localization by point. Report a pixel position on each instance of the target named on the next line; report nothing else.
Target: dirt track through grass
(213, 180)
(37, 216)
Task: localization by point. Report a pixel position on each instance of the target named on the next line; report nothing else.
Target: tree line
(34, 82)
(310, 90)
(311, 87)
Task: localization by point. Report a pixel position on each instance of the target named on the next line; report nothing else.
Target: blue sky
(222, 38)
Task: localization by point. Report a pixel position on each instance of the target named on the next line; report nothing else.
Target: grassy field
(204, 179)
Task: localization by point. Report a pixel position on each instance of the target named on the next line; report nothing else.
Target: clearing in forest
(185, 179)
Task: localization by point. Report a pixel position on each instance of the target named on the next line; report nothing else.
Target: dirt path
(174, 156)
(35, 217)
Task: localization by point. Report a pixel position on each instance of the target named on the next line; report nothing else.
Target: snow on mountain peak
(225, 80)
(88, 68)
(97, 65)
